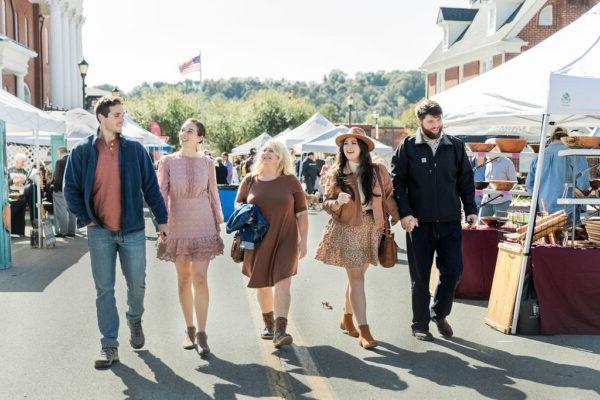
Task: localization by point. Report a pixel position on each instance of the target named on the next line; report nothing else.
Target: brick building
(40, 47)
(491, 32)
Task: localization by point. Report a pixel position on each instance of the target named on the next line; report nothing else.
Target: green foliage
(408, 119)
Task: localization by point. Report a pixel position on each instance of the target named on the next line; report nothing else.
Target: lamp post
(83, 70)
(350, 103)
(376, 116)
(115, 92)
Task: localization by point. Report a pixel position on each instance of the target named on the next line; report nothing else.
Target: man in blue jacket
(432, 180)
(106, 180)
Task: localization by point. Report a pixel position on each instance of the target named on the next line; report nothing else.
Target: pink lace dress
(189, 188)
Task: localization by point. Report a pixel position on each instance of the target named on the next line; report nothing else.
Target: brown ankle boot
(365, 339)
(281, 338)
(267, 333)
(189, 339)
(202, 341)
(347, 325)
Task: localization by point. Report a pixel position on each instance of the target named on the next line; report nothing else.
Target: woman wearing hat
(355, 192)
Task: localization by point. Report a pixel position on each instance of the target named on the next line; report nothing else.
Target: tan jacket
(351, 213)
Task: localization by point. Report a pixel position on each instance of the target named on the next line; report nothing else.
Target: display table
(567, 282)
(479, 251)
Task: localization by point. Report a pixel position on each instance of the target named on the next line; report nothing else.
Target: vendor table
(567, 282)
(479, 251)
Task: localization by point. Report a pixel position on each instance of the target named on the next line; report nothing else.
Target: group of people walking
(108, 177)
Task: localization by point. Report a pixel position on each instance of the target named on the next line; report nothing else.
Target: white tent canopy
(561, 76)
(22, 117)
(312, 127)
(255, 143)
(325, 143)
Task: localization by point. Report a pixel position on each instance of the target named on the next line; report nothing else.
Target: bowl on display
(510, 145)
(534, 147)
(494, 222)
(481, 185)
(480, 147)
(581, 142)
(503, 186)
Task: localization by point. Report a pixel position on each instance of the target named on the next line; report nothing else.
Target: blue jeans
(131, 247)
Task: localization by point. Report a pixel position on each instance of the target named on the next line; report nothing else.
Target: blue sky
(126, 43)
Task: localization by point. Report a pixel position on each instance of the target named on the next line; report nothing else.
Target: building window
(486, 65)
(26, 93)
(4, 17)
(26, 36)
(439, 82)
(16, 28)
(546, 17)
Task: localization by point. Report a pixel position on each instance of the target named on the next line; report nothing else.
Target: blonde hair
(285, 167)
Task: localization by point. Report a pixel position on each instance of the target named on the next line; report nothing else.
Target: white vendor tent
(556, 81)
(325, 143)
(559, 75)
(311, 128)
(255, 143)
(23, 117)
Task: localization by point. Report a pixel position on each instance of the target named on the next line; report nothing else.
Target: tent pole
(38, 191)
(531, 225)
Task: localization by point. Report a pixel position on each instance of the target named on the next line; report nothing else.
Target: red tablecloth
(479, 251)
(567, 282)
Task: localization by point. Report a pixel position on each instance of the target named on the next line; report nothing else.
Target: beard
(432, 135)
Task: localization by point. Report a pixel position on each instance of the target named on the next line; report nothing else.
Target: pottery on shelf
(510, 145)
(581, 142)
(503, 186)
(480, 147)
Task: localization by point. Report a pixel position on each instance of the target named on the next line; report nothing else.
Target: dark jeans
(310, 185)
(17, 216)
(443, 238)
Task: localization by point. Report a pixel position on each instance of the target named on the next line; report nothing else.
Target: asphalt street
(49, 339)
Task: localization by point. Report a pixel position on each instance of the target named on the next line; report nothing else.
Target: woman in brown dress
(354, 198)
(275, 190)
(189, 186)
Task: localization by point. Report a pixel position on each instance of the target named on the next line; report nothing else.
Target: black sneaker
(423, 335)
(137, 339)
(108, 356)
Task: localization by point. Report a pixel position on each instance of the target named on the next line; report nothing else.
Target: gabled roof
(476, 35)
(457, 14)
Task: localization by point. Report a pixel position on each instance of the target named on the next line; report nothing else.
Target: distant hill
(388, 92)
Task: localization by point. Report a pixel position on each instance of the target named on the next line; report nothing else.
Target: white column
(66, 50)
(73, 70)
(78, 36)
(56, 56)
(21, 86)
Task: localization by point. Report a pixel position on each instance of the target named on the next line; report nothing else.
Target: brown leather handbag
(237, 253)
(388, 249)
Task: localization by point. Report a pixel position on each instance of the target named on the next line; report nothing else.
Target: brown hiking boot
(267, 333)
(202, 343)
(347, 325)
(444, 327)
(281, 338)
(365, 339)
(189, 339)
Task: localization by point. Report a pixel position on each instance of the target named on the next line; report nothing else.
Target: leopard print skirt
(350, 246)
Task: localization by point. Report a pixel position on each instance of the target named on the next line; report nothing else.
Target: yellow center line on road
(277, 374)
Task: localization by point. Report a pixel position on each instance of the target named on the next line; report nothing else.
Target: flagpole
(200, 87)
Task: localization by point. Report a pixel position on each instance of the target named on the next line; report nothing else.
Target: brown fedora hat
(357, 133)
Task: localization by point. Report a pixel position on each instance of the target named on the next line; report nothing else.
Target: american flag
(191, 65)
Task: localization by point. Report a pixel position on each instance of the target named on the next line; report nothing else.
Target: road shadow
(252, 380)
(585, 343)
(529, 368)
(335, 363)
(168, 385)
(447, 370)
(34, 269)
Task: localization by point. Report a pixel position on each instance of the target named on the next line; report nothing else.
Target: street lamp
(83, 70)
(115, 92)
(376, 116)
(350, 103)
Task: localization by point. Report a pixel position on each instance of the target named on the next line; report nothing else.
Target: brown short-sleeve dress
(276, 257)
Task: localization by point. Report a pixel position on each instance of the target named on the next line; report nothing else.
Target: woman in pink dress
(189, 186)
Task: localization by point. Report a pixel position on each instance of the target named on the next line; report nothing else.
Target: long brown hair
(365, 172)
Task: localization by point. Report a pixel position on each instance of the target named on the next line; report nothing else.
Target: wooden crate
(504, 287)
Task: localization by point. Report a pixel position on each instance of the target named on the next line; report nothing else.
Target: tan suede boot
(347, 325)
(281, 338)
(267, 333)
(365, 339)
(189, 339)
